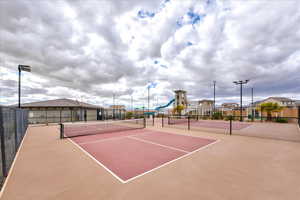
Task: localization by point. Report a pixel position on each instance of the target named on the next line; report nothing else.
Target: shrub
(281, 120)
(129, 115)
(217, 115)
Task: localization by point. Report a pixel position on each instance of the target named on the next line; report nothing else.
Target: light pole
(131, 101)
(148, 99)
(22, 68)
(252, 103)
(113, 107)
(214, 108)
(241, 83)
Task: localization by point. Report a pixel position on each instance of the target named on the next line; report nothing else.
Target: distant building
(116, 112)
(282, 101)
(62, 110)
(229, 106)
(206, 107)
(180, 98)
(290, 108)
(202, 107)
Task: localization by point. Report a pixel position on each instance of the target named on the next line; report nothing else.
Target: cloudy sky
(89, 50)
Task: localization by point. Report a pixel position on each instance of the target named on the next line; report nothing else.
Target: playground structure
(180, 99)
(157, 109)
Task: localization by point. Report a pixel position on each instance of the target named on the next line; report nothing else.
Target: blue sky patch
(164, 66)
(144, 14)
(195, 17)
(189, 43)
(152, 85)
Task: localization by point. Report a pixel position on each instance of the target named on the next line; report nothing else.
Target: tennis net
(69, 130)
(178, 120)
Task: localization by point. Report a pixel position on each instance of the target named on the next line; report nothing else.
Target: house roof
(228, 104)
(205, 100)
(59, 103)
(282, 99)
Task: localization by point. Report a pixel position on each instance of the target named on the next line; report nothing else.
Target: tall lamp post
(252, 105)
(22, 68)
(241, 83)
(113, 107)
(148, 100)
(214, 108)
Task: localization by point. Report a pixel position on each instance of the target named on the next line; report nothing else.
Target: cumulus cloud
(91, 50)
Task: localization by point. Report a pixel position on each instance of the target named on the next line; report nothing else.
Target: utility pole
(252, 105)
(241, 83)
(214, 108)
(148, 99)
(22, 68)
(131, 103)
(113, 107)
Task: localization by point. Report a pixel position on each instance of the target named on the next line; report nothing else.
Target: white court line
(171, 161)
(120, 179)
(98, 162)
(103, 140)
(154, 143)
(96, 141)
(13, 163)
(193, 136)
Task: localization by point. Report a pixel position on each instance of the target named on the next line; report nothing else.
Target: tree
(269, 107)
(178, 109)
(129, 115)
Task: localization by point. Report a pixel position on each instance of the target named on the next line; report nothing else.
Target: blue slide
(164, 106)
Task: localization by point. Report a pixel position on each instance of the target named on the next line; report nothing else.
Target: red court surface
(130, 154)
(220, 124)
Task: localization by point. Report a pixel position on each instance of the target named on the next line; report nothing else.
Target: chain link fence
(268, 127)
(13, 125)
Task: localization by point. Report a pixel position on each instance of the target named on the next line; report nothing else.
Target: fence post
(230, 126)
(189, 123)
(153, 120)
(61, 131)
(144, 121)
(71, 110)
(2, 144)
(16, 129)
(60, 115)
(46, 117)
(162, 120)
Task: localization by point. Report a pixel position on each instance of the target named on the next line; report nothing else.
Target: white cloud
(92, 49)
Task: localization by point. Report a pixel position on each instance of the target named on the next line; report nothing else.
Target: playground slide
(164, 106)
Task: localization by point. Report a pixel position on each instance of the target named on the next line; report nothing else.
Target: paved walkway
(237, 167)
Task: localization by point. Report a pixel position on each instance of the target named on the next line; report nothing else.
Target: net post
(61, 131)
(153, 120)
(168, 120)
(230, 127)
(162, 120)
(189, 123)
(261, 115)
(144, 121)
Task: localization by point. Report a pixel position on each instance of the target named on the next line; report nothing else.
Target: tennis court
(197, 167)
(127, 150)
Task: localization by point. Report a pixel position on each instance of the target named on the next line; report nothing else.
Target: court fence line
(13, 126)
(187, 122)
